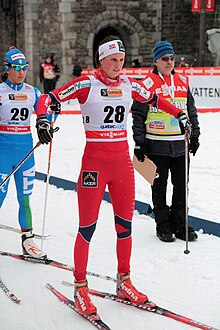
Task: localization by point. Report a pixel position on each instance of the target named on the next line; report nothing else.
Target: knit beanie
(14, 56)
(162, 48)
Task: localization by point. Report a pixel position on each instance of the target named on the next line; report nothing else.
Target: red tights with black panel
(105, 164)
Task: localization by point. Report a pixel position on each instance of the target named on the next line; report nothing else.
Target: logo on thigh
(3, 176)
(28, 181)
(89, 179)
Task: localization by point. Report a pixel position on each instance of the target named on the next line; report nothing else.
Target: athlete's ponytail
(3, 76)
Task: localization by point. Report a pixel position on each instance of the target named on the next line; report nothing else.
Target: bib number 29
(114, 114)
(19, 114)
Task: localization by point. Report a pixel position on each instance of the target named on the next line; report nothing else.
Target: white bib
(16, 108)
(106, 110)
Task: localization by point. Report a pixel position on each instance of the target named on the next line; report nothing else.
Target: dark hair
(51, 56)
(136, 62)
(106, 39)
(3, 76)
(77, 69)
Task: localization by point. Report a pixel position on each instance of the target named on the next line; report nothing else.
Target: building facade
(72, 30)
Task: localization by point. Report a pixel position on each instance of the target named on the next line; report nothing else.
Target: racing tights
(105, 165)
(10, 156)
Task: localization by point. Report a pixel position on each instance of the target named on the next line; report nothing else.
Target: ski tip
(48, 285)
(14, 299)
(67, 283)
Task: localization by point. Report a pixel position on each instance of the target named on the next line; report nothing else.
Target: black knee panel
(87, 232)
(123, 227)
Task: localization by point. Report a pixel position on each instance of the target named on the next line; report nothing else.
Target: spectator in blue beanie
(158, 136)
(162, 48)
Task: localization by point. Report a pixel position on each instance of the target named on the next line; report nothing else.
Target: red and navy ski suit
(106, 160)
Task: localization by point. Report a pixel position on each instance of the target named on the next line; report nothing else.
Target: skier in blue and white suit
(17, 101)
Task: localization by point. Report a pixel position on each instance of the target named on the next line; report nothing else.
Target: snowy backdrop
(186, 284)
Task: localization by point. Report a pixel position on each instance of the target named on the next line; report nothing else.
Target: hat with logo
(162, 48)
(14, 56)
(111, 47)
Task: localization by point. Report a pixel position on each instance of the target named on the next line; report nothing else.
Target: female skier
(17, 101)
(105, 99)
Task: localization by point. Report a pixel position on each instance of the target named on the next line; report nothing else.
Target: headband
(111, 47)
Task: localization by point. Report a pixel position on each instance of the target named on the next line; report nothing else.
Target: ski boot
(82, 299)
(126, 290)
(29, 247)
(181, 233)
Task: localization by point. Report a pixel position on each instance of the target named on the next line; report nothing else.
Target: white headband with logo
(111, 47)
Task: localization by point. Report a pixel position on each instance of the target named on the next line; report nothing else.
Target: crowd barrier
(204, 85)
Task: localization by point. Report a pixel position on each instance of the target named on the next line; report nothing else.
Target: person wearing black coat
(49, 73)
(158, 136)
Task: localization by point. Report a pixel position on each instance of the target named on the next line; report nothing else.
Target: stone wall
(82, 25)
(11, 27)
(181, 27)
(72, 29)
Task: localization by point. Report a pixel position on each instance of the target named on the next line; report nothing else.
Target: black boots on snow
(171, 224)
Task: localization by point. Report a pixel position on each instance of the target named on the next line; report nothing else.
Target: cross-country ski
(95, 319)
(157, 310)
(146, 307)
(8, 293)
(53, 263)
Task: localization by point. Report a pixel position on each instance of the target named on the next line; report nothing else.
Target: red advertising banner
(142, 72)
(209, 5)
(196, 6)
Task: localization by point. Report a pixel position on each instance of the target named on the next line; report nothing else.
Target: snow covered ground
(186, 284)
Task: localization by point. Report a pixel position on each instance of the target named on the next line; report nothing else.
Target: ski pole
(187, 133)
(20, 164)
(47, 181)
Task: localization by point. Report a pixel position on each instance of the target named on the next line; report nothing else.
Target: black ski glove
(194, 145)
(139, 151)
(56, 108)
(184, 123)
(44, 129)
